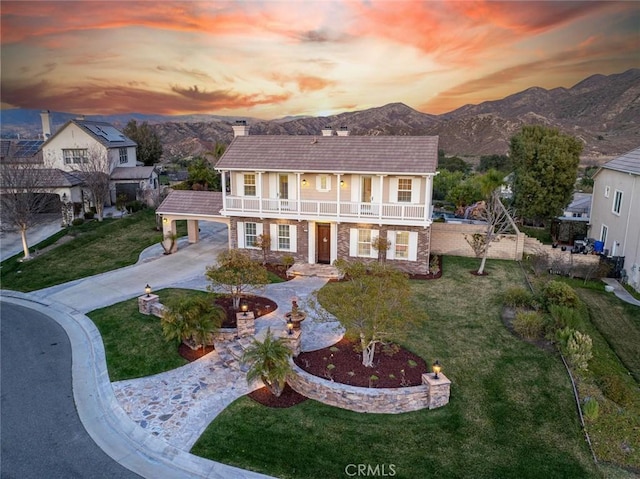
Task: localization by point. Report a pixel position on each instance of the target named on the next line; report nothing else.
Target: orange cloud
(111, 99)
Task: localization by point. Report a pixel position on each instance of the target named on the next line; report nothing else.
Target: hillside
(602, 111)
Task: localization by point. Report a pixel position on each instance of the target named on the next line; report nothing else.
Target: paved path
(620, 292)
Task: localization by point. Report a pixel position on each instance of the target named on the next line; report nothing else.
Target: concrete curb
(103, 418)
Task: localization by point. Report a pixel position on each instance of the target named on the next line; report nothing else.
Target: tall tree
(23, 195)
(95, 171)
(268, 360)
(202, 175)
(546, 166)
(236, 274)
(502, 163)
(149, 148)
(374, 306)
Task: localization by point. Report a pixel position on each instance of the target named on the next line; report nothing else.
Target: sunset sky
(269, 59)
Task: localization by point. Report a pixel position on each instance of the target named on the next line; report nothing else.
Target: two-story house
(78, 140)
(320, 198)
(615, 211)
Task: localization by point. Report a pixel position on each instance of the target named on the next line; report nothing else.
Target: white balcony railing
(346, 210)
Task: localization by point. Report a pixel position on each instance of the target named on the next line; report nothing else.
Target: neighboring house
(79, 139)
(615, 211)
(580, 207)
(320, 198)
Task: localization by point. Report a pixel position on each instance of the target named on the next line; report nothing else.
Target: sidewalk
(620, 292)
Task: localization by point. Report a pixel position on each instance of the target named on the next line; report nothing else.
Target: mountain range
(602, 111)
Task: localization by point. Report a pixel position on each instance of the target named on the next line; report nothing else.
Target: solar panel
(27, 148)
(107, 132)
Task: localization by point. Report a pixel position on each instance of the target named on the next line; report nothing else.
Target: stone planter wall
(431, 394)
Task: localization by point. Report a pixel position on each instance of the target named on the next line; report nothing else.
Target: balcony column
(339, 195)
(298, 193)
(259, 191)
(223, 180)
(428, 193)
(381, 197)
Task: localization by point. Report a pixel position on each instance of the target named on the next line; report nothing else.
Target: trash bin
(598, 246)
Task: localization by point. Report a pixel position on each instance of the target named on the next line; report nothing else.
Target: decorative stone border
(433, 393)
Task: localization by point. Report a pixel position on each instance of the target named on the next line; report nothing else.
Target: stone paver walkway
(178, 405)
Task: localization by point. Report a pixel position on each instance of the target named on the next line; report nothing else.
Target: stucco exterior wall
(449, 239)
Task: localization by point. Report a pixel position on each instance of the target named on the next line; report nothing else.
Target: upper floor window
(323, 183)
(250, 235)
(124, 157)
(607, 189)
(617, 202)
(404, 190)
(249, 184)
(284, 238)
(75, 156)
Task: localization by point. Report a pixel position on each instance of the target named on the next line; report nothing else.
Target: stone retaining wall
(431, 394)
(448, 239)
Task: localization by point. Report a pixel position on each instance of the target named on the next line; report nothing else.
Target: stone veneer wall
(431, 394)
(420, 266)
(302, 239)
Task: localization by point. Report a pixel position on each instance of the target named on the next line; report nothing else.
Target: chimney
(240, 128)
(327, 131)
(46, 124)
(343, 131)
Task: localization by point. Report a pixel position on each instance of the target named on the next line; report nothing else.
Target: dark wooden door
(323, 243)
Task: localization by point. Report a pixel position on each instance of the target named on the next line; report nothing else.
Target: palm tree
(269, 361)
(189, 317)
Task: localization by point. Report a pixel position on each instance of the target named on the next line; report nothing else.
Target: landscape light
(437, 368)
(244, 309)
(147, 289)
(289, 326)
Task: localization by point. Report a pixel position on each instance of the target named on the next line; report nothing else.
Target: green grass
(511, 413)
(96, 247)
(133, 342)
(541, 234)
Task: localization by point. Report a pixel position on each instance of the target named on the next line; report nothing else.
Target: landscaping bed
(257, 304)
(394, 368)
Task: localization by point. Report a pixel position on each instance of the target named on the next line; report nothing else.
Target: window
(603, 234)
(250, 235)
(404, 190)
(364, 243)
(606, 191)
(284, 187)
(75, 157)
(402, 245)
(249, 184)
(617, 202)
(284, 239)
(124, 157)
(323, 183)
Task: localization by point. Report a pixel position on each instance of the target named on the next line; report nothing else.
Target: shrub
(559, 293)
(529, 324)
(517, 297)
(564, 317)
(590, 409)
(578, 350)
(615, 389)
(88, 215)
(134, 206)
(288, 260)
(77, 222)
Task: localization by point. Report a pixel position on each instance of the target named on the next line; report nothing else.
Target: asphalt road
(42, 435)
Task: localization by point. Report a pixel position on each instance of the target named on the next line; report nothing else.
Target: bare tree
(95, 171)
(499, 221)
(23, 195)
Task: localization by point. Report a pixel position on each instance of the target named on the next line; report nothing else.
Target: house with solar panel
(320, 198)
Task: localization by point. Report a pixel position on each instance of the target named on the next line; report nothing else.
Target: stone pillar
(169, 230)
(439, 389)
(293, 341)
(246, 324)
(146, 302)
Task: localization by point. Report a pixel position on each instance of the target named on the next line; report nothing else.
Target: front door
(323, 243)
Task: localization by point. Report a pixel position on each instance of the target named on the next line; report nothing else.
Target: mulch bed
(279, 270)
(193, 354)
(258, 304)
(288, 397)
(401, 369)
(508, 315)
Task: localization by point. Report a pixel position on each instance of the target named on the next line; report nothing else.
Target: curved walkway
(149, 424)
(620, 292)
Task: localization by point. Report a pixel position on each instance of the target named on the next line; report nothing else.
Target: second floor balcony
(348, 211)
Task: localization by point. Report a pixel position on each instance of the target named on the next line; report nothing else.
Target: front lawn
(91, 248)
(511, 414)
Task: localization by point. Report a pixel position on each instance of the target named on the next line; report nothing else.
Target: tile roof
(195, 203)
(132, 172)
(336, 154)
(47, 178)
(627, 163)
(105, 133)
